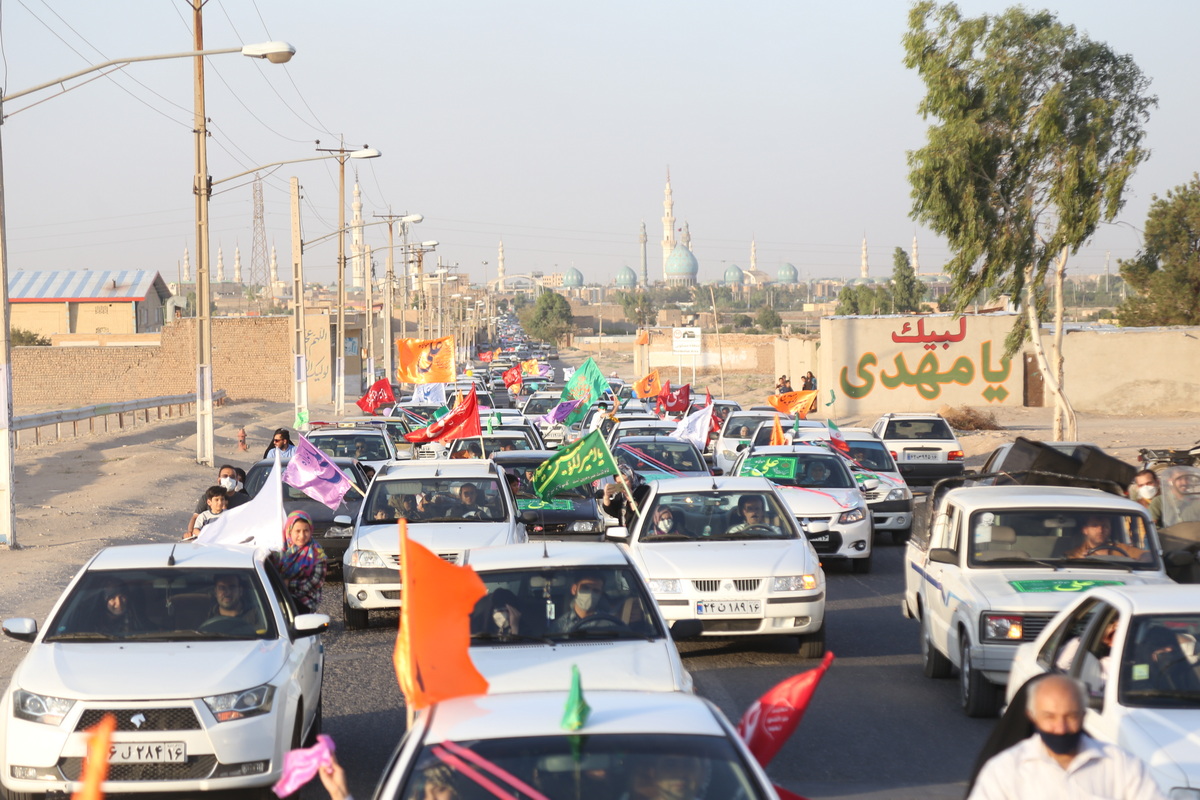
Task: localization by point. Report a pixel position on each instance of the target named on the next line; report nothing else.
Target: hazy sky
(548, 125)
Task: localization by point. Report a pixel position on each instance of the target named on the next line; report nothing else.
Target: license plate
(911, 456)
(737, 608)
(147, 753)
(824, 537)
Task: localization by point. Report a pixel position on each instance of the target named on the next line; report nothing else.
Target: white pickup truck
(995, 563)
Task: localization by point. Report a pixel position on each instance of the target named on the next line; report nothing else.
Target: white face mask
(229, 483)
(238, 486)
(665, 524)
(585, 599)
(501, 619)
(1147, 492)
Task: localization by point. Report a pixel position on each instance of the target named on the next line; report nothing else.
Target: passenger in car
(230, 613)
(302, 563)
(752, 510)
(117, 615)
(587, 600)
(669, 522)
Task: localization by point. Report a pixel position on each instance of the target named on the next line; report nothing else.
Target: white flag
(567, 373)
(430, 394)
(258, 523)
(695, 427)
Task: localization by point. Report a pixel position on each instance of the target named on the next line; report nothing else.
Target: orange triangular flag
(649, 386)
(643, 337)
(777, 434)
(432, 657)
(95, 766)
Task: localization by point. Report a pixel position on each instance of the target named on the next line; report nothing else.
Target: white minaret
(645, 271)
(686, 237)
(220, 265)
(274, 267)
(187, 267)
(237, 264)
(863, 266)
(753, 255)
(916, 262)
(358, 264)
(500, 266)
(668, 242)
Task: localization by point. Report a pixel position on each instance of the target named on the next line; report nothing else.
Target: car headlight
(1003, 627)
(729, 453)
(40, 708)
(793, 583)
(239, 705)
(856, 514)
(365, 558)
(665, 586)
(586, 526)
(903, 493)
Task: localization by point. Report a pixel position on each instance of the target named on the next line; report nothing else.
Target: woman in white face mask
(668, 522)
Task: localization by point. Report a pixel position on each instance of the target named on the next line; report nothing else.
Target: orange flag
(95, 766)
(529, 367)
(425, 360)
(798, 403)
(649, 386)
(432, 657)
(777, 434)
(643, 337)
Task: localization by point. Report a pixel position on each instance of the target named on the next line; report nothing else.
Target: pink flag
(300, 766)
(313, 473)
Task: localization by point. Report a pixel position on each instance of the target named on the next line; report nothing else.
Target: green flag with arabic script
(589, 384)
(576, 464)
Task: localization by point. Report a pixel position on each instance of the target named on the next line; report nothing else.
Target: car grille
(180, 718)
(731, 625)
(451, 556)
(873, 496)
(555, 527)
(1033, 626)
(741, 584)
(195, 768)
(390, 594)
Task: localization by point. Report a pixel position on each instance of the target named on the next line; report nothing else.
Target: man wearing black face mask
(1059, 759)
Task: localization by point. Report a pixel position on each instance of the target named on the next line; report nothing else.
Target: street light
(276, 52)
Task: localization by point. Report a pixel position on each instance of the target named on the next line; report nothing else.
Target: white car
(529, 629)
(515, 743)
(198, 652)
(433, 497)
(369, 444)
(822, 495)
(734, 558)
(923, 445)
(735, 435)
(1135, 649)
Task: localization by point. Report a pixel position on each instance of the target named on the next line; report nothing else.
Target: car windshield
(550, 604)
(811, 471)
(1159, 665)
(741, 426)
(363, 446)
(872, 455)
(539, 405)
(594, 767)
(713, 516)
(1180, 495)
(436, 500)
(164, 605)
(668, 457)
(1057, 538)
(469, 448)
(643, 430)
(918, 429)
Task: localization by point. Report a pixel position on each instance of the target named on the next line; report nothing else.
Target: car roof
(791, 449)
(508, 716)
(859, 435)
(533, 555)
(339, 430)
(652, 440)
(644, 421)
(1041, 497)
(913, 415)
(1154, 598)
(520, 456)
(440, 468)
(186, 555)
(720, 484)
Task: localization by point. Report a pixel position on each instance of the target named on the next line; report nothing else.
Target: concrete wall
(65, 317)
(739, 352)
(1131, 370)
(794, 356)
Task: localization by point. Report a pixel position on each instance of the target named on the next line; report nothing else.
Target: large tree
(639, 307)
(907, 289)
(549, 319)
(1165, 274)
(1037, 129)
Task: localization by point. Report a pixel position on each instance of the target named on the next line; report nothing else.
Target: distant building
(682, 267)
(88, 301)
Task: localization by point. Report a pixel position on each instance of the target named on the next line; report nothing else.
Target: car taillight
(894, 456)
(955, 455)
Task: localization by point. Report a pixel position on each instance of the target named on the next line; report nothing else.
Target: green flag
(589, 384)
(576, 712)
(576, 464)
(301, 419)
(438, 413)
(492, 420)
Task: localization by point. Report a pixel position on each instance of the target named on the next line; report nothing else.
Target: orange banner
(95, 765)
(777, 434)
(529, 367)
(425, 360)
(649, 386)
(798, 403)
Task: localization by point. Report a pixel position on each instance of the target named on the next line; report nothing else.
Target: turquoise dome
(734, 275)
(681, 263)
(572, 278)
(787, 274)
(626, 278)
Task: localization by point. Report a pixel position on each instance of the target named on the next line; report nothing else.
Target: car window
(740, 426)
(524, 488)
(660, 457)
(872, 455)
(918, 429)
(1058, 652)
(1056, 537)
(539, 405)
(1158, 668)
(469, 448)
(716, 516)
(811, 471)
(168, 604)
(426, 500)
(363, 446)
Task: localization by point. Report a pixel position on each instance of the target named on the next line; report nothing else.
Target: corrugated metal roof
(118, 285)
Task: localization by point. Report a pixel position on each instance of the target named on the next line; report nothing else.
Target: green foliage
(638, 306)
(907, 289)
(1037, 129)
(1165, 274)
(742, 321)
(19, 337)
(768, 319)
(864, 299)
(548, 319)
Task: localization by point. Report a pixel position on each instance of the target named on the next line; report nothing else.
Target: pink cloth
(300, 766)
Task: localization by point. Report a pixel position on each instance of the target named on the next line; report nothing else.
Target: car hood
(1175, 733)
(1041, 589)
(804, 502)
(603, 664)
(663, 476)
(149, 670)
(435, 535)
(726, 559)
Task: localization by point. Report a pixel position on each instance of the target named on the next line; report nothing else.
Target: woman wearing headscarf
(302, 563)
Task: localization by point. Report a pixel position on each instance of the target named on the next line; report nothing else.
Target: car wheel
(977, 694)
(812, 645)
(901, 536)
(861, 566)
(356, 619)
(933, 663)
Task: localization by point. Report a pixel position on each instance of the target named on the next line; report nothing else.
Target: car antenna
(171, 557)
(545, 549)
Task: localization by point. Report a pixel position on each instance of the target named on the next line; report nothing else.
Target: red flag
(512, 377)
(487, 355)
(379, 393)
(674, 401)
(773, 718)
(461, 422)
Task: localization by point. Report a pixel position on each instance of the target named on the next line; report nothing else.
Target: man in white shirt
(1060, 760)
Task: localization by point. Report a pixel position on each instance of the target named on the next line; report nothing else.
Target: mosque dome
(626, 278)
(787, 274)
(681, 263)
(734, 275)
(572, 278)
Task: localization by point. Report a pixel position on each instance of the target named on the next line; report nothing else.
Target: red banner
(487, 355)
(461, 422)
(773, 718)
(512, 377)
(676, 400)
(379, 393)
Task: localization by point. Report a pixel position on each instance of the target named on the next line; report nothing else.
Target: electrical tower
(260, 281)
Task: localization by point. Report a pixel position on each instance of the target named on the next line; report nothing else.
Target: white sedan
(729, 553)
(1135, 649)
(196, 650)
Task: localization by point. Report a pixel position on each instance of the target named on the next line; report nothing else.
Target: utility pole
(202, 188)
(369, 297)
(299, 339)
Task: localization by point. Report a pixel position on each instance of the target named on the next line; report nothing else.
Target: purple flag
(545, 371)
(560, 412)
(300, 766)
(313, 473)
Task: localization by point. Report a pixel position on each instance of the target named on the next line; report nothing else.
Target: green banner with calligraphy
(769, 467)
(577, 464)
(529, 504)
(1063, 585)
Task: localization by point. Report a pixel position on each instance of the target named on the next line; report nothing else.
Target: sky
(548, 125)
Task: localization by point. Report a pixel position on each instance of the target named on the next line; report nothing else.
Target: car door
(941, 599)
(306, 654)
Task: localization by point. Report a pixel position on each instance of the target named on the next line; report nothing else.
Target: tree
(548, 319)
(907, 289)
(1037, 132)
(1165, 274)
(19, 337)
(864, 299)
(742, 321)
(638, 306)
(768, 319)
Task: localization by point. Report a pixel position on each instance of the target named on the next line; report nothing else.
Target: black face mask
(1061, 744)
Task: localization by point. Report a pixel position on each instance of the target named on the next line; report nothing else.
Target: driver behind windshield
(752, 509)
(1096, 540)
(587, 599)
(818, 474)
(231, 613)
(471, 501)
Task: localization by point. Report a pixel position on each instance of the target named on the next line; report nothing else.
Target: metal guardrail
(35, 422)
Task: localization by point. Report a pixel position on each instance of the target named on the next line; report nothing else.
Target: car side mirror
(870, 484)
(717, 471)
(529, 517)
(22, 628)
(617, 532)
(943, 555)
(686, 629)
(343, 520)
(741, 446)
(311, 624)
(1181, 558)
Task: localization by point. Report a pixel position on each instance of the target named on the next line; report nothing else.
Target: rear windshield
(741, 426)
(918, 429)
(363, 446)
(872, 455)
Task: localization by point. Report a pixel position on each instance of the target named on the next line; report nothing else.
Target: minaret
(274, 267)
(668, 242)
(916, 262)
(220, 265)
(357, 260)
(237, 264)
(753, 255)
(500, 266)
(863, 267)
(686, 238)
(645, 271)
(187, 267)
